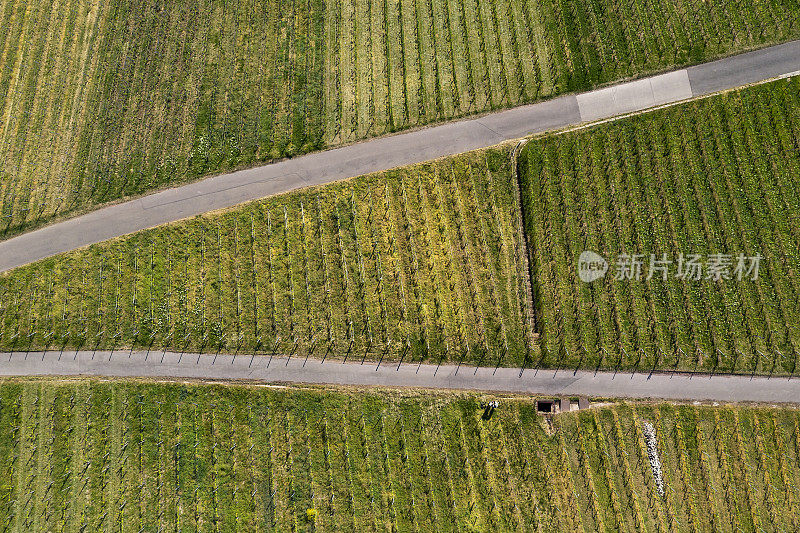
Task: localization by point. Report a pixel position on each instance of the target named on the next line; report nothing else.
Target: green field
(101, 100)
(718, 175)
(90, 455)
(419, 263)
(427, 262)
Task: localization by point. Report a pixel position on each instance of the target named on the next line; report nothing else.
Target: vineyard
(88, 455)
(427, 262)
(717, 176)
(423, 263)
(102, 100)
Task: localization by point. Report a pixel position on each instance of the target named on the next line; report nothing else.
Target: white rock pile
(652, 454)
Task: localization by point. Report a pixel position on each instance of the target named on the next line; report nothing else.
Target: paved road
(545, 382)
(396, 150)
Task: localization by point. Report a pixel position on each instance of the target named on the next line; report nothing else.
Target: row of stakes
(679, 354)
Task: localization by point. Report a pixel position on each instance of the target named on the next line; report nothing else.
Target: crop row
(711, 177)
(119, 455)
(422, 263)
(108, 100)
(104, 100)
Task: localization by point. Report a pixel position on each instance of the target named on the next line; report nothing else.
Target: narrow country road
(169, 365)
(396, 150)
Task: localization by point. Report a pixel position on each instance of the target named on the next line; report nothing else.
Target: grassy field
(714, 176)
(419, 263)
(101, 100)
(89, 455)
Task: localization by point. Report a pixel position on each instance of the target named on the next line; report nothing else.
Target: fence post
(150, 344)
(348, 350)
(720, 357)
(133, 337)
(701, 356)
(658, 356)
(183, 348)
(13, 337)
(31, 334)
(310, 349)
(328, 349)
(619, 360)
(46, 346)
(406, 347)
(99, 337)
(499, 360)
(83, 339)
(603, 353)
(258, 346)
(582, 349)
(63, 345)
(759, 356)
(678, 358)
(383, 353)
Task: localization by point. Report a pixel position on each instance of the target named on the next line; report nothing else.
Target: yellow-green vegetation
(90, 455)
(427, 262)
(100, 100)
(419, 263)
(716, 176)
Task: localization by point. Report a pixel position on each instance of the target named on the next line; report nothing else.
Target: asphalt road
(396, 150)
(157, 364)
